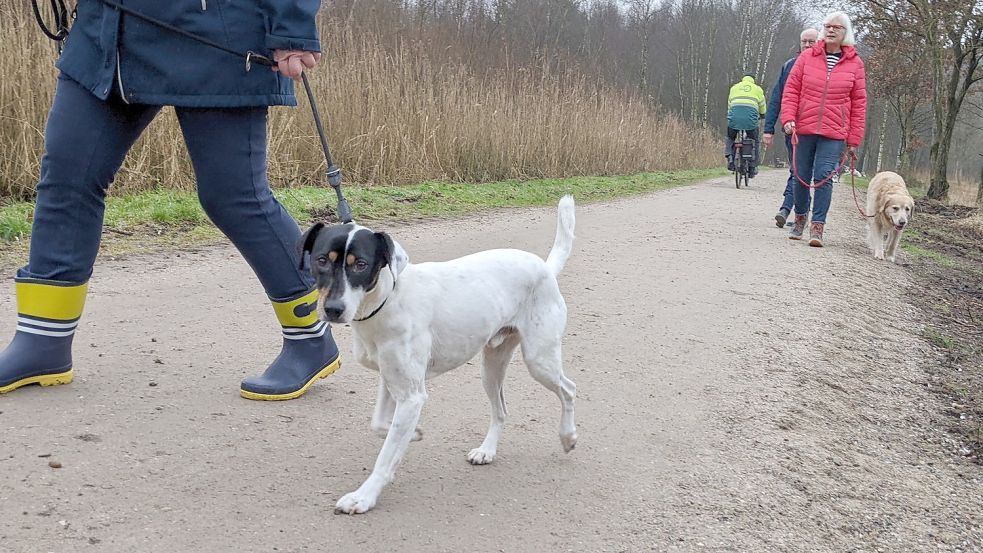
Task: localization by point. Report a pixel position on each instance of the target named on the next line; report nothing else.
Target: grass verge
(945, 243)
(166, 218)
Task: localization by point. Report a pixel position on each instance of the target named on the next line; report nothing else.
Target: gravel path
(737, 392)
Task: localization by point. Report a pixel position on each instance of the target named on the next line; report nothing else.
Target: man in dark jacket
(807, 38)
(117, 71)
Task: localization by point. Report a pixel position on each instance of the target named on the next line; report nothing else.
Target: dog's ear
(306, 243)
(395, 255)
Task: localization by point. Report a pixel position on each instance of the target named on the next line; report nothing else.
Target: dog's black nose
(333, 309)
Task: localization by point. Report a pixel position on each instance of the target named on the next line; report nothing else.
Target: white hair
(809, 30)
(842, 19)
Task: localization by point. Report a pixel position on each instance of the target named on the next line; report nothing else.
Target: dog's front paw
(891, 259)
(568, 441)
(479, 456)
(879, 255)
(354, 504)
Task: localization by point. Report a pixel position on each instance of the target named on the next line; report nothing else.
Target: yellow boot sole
(44, 380)
(323, 373)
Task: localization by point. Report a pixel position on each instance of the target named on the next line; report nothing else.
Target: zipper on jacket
(822, 103)
(119, 79)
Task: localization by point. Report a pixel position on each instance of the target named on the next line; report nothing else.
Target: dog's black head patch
(346, 261)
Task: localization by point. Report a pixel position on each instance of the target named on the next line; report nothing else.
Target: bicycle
(743, 153)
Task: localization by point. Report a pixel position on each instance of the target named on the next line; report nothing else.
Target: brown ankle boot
(798, 228)
(816, 234)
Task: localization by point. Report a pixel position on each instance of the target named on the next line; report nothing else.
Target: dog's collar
(377, 309)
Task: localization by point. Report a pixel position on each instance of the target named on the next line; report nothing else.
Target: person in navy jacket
(807, 38)
(117, 70)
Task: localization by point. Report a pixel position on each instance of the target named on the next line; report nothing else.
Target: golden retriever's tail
(563, 243)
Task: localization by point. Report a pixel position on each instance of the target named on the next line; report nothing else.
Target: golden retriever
(889, 206)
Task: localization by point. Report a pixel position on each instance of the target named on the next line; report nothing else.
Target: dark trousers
(732, 135)
(788, 195)
(86, 140)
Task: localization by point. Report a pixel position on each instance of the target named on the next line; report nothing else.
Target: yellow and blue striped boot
(309, 352)
(41, 352)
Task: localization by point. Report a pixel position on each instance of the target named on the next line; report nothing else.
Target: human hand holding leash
(291, 63)
(789, 127)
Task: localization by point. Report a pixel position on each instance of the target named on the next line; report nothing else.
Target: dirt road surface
(736, 392)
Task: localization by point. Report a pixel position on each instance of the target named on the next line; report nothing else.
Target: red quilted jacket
(833, 105)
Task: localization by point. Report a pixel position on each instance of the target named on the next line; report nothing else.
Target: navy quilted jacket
(152, 65)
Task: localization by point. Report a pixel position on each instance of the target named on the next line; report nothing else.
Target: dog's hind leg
(544, 360)
(382, 417)
(494, 362)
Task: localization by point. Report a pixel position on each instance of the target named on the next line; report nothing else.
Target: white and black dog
(412, 322)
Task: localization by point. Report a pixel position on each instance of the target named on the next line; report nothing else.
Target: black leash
(61, 20)
(333, 173)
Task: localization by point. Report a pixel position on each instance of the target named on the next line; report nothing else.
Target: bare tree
(641, 15)
(951, 33)
(900, 69)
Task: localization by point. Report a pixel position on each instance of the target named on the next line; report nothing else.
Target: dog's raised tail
(563, 243)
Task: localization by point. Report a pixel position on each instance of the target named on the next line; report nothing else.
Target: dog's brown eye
(896, 208)
(360, 265)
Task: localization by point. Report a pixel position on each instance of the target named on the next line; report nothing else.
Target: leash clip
(258, 58)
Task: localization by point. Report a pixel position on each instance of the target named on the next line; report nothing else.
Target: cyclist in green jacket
(745, 107)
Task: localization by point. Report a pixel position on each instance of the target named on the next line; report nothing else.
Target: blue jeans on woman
(816, 157)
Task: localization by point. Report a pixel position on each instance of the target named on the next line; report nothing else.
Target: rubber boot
(309, 353)
(48, 312)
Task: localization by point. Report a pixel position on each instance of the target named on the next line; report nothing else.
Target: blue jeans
(815, 159)
(86, 140)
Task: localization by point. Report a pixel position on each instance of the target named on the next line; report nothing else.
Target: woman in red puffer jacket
(825, 104)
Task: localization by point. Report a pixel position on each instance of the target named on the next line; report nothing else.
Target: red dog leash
(847, 155)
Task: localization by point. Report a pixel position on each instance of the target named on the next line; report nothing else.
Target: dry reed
(393, 116)
(962, 191)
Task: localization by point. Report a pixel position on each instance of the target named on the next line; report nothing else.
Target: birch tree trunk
(880, 139)
(708, 53)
